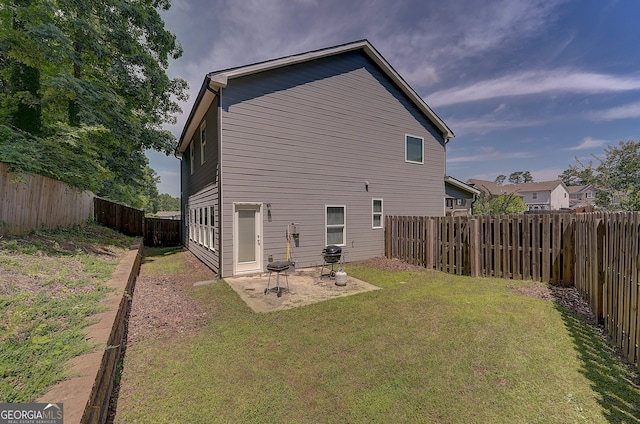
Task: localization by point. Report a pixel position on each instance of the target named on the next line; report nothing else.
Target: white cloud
(488, 153)
(536, 82)
(486, 124)
(631, 110)
(588, 143)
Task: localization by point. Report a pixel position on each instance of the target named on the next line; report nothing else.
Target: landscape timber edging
(86, 393)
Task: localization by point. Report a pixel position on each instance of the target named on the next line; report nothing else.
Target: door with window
(247, 238)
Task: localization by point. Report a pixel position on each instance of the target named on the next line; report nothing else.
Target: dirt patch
(305, 287)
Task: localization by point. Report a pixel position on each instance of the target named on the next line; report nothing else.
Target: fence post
(474, 247)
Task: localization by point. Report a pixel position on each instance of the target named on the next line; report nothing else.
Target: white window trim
(212, 232)
(406, 136)
(374, 213)
(343, 225)
(203, 142)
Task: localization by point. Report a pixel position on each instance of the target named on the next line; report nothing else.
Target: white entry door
(247, 238)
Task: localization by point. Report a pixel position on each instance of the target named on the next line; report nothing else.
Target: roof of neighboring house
(462, 186)
(497, 189)
(163, 214)
(539, 186)
(219, 79)
(490, 186)
(580, 188)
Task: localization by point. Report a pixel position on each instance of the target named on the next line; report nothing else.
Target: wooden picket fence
(156, 232)
(29, 202)
(597, 253)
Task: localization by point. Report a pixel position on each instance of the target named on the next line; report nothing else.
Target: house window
(206, 227)
(335, 225)
(449, 203)
(200, 228)
(534, 195)
(414, 149)
(589, 195)
(190, 224)
(203, 142)
(211, 229)
(376, 210)
(191, 155)
(460, 202)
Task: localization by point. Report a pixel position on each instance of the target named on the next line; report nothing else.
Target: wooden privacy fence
(608, 274)
(122, 218)
(159, 232)
(156, 232)
(535, 247)
(30, 202)
(597, 253)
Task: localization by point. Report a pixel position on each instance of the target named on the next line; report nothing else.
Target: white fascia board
(461, 185)
(197, 117)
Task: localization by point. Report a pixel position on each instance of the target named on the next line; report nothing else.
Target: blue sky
(526, 85)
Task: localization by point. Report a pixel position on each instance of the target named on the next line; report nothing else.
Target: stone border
(86, 393)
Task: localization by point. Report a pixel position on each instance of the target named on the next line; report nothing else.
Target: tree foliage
(504, 204)
(520, 177)
(168, 203)
(84, 90)
(616, 176)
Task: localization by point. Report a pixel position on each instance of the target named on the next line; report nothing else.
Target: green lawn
(51, 283)
(429, 347)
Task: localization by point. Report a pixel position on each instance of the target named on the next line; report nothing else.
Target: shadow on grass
(616, 381)
(149, 253)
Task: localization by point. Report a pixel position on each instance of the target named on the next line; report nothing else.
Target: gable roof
(580, 188)
(219, 79)
(462, 186)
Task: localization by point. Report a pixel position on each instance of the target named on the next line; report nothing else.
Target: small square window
(534, 195)
(414, 149)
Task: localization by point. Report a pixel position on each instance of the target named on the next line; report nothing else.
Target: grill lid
(332, 250)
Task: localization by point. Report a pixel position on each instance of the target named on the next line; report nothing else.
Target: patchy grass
(429, 347)
(51, 283)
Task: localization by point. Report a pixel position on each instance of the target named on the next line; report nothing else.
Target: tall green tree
(519, 177)
(616, 176)
(101, 69)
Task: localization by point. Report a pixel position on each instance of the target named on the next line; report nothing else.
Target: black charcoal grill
(331, 255)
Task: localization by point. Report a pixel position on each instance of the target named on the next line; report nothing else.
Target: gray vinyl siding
(310, 135)
(201, 187)
(456, 192)
(206, 198)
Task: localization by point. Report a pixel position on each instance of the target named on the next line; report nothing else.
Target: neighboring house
(305, 151)
(459, 197)
(545, 195)
(169, 215)
(581, 196)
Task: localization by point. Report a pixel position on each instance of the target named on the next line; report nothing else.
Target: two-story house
(293, 154)
(545, 195)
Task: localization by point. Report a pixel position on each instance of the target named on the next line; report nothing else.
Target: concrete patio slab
(305, 287)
